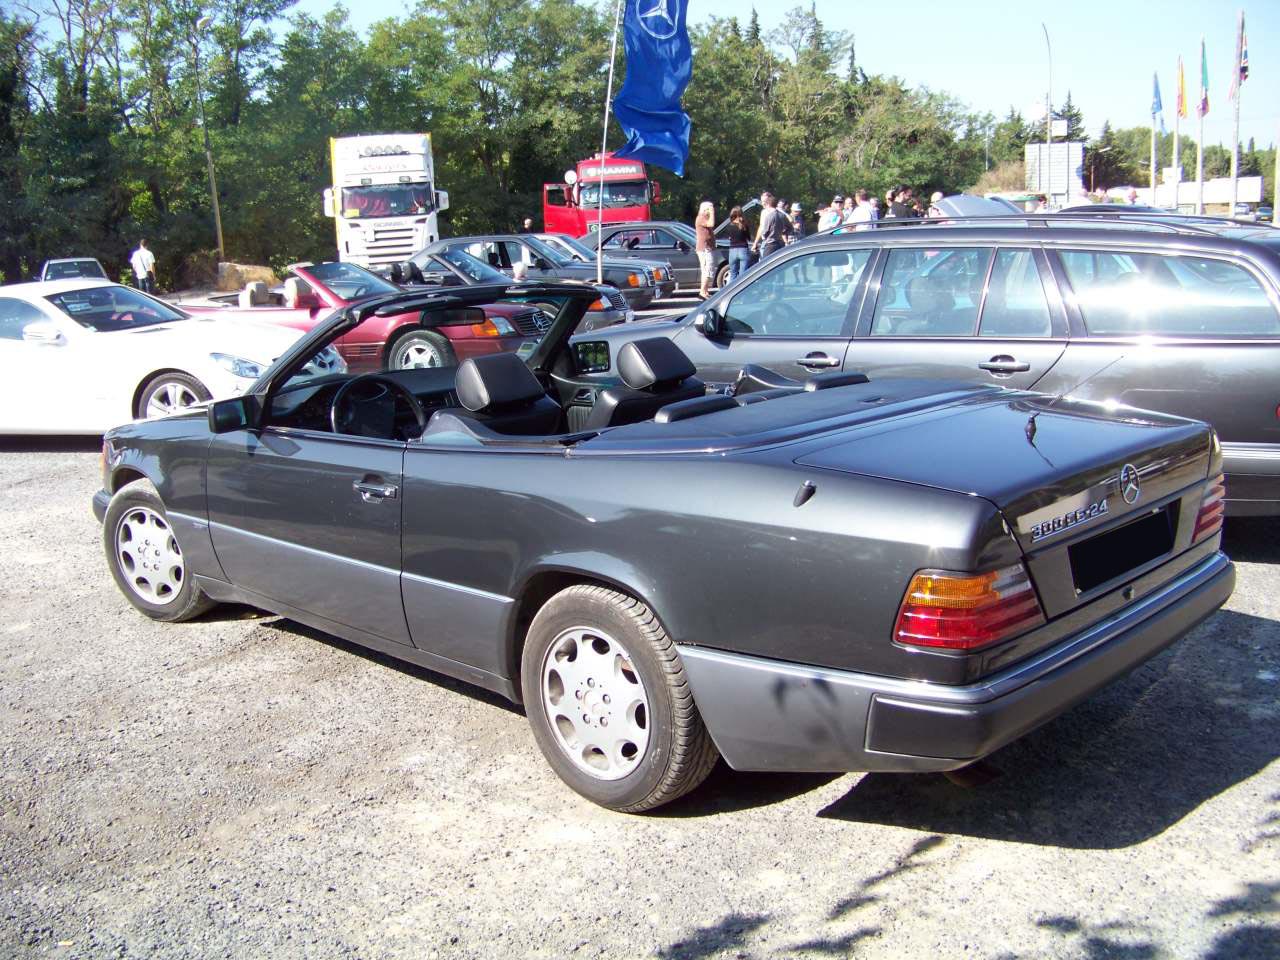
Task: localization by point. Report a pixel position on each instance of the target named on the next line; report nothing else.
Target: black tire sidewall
(174, 376)
(448, 356)
(722, 276)
(565, 613)
(142, 494)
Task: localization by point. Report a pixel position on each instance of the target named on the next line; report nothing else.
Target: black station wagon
(1175, 315)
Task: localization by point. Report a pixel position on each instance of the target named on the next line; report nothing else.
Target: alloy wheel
(149, 556)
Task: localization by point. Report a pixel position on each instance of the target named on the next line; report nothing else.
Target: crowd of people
(782, 223)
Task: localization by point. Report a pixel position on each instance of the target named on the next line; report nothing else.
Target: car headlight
(237, 366)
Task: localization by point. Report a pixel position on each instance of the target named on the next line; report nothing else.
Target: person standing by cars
(797, 223)
(864, 212)
(143, 262)
(774, 227)
(739, 244)
(705, 225)
(900, 207)
(833, 215)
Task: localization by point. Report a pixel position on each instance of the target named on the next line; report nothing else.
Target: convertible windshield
(631, 194)
(349, 281)
(114, 308)
(387, 200)
(473, 268)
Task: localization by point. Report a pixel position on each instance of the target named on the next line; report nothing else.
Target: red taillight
(1209, 519)
(958, 611)
(486, 329)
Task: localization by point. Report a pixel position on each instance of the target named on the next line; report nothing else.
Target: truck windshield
(632, 193)
(386, 200)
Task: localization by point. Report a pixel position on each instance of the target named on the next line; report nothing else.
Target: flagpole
(1200, 111)
(1179, 99)
(1238, 86)
(1153, 160)
(604, 141)
(1275, 182)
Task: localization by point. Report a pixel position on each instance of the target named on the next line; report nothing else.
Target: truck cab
(573, 207)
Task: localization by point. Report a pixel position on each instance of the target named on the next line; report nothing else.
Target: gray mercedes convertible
(833, 574)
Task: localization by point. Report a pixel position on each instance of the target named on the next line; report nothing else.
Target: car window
(806, 296)
(488, 252)
(514, 251)
(630, 239)
(477, 270)
(108, 309)
(661, 238)
(1122, 294)
(15, 315)
(931, 293)
(1015, 304)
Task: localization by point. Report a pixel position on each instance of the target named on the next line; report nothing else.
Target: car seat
(294, 288)
(655, 373)
(254, 294)
(501, 393)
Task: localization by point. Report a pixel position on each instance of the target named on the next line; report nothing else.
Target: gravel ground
(244, 787)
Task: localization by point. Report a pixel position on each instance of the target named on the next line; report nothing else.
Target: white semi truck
(383, 199)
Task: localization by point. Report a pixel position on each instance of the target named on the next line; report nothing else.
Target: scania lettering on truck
(383, 197)
(573, 207)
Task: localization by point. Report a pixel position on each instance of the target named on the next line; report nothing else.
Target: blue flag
(659, 65)
(1157, 108)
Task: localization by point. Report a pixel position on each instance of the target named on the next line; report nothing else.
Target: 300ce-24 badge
(1066, 521)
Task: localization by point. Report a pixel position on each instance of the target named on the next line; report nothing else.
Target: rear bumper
(773, 715)
(1253, 479)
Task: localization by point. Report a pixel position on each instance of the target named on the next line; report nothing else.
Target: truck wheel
(609, 702)
(420, 348)
(722, 276)
(170, 393)
(144, 556)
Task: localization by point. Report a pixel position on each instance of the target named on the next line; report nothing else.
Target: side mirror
(238, 413)
(709, 323)
(655, 191)
(328, 202)
(442, 199)
(45, 332)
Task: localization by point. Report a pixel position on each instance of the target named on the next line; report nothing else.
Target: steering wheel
(372, 388)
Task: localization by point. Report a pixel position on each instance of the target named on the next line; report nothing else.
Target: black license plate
(1109, 555)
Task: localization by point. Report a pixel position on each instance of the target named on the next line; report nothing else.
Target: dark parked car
(832, 575)
(659, 272)
(668, 240)
(636, 286)
(1168, 314)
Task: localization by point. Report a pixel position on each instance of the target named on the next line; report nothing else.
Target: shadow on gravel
(1252, 539)
(409, 669)
(729, 791)
(85, 444)
(1117, 769)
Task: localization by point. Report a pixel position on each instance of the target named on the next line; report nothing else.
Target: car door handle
(817, 360)
(1004, 365)
(371, 492)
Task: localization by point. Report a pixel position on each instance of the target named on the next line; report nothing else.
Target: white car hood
(237, 336)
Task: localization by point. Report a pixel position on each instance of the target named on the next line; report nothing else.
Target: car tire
(420, 348)
(722, 276)
(145, 559)
(594, 656)
(169, 393)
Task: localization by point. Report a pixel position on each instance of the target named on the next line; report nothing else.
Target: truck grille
(532, 324)
(391, 244)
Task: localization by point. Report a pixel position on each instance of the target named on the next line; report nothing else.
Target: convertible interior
(498, 399)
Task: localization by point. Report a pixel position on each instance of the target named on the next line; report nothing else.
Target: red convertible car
(397, 342)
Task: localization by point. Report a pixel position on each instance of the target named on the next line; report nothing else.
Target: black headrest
(655, 361)
(486, 384)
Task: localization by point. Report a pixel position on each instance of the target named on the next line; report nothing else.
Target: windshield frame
(540, 246)
(56, 300)
(593, 199)
(576, 246)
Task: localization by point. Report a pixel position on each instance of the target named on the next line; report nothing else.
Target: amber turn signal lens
(486, 329)
(958, 611)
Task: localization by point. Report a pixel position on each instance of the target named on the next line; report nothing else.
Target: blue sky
(991, 55)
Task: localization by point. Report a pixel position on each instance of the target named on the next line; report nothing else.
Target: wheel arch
(543, 583)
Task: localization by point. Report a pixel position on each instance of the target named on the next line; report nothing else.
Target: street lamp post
(202, 25)
(1046, 167)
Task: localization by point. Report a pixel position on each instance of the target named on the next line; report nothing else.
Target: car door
(1192, 334)
(52, 383)
(312, 520)
(667, 245)
(976, 313)
(794, 318)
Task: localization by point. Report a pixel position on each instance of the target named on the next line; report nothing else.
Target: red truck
(573, 207)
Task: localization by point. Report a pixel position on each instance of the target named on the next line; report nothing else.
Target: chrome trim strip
(444, 584)
(1000, 684)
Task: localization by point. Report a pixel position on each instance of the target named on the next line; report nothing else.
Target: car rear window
(1122, 293)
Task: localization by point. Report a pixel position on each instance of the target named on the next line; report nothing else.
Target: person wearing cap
(797, 223)
(833, 215)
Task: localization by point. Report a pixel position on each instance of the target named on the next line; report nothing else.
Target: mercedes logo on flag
(657, 21)
(1130, 487)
